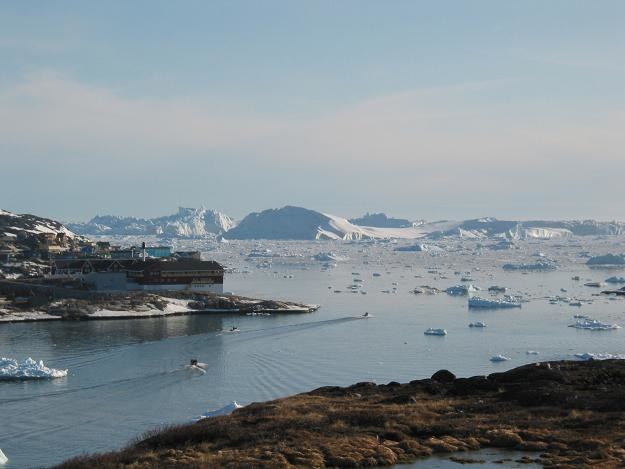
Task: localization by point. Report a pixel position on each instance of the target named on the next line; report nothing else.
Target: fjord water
(128, 376)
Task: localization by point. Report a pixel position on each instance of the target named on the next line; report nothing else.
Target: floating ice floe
(477, 324)
(328, 257)
(540, 266)
(593, 284)
(461, 290)
(532, 352)
(425, 289)
(433, 331)
(499, 358)
(594, 325)
(599, 356)
(225, 410)
(484, 303)
(615, 280)
(29, 369)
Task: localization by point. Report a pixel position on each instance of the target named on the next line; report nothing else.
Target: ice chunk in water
(11, 369)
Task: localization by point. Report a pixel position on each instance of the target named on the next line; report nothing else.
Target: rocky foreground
(564, 414)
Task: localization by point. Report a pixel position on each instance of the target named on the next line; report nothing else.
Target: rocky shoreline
(563, 414)
(142, 305)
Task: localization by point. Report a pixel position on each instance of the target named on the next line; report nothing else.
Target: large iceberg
(29, 369)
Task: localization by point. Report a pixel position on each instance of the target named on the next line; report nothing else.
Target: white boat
(3, 458)
(434, 331)
(484, 303)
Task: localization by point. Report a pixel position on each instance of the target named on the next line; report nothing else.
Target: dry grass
(572, 413)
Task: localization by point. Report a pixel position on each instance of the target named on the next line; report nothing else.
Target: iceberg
(477, 324)
(484, 303)
(433, 331)
(461, 290)
(599, 356)
(29, 369)
(608, 259)
(499, 358)
(615, 280)
(538, 266)
(225, 410)
(328, 257)
(594, 325)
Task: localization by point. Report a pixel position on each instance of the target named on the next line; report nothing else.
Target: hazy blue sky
(440, 109)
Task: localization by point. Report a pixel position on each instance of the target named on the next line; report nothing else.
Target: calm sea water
(127, 376)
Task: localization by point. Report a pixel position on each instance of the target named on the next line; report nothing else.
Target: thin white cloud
(445, 130)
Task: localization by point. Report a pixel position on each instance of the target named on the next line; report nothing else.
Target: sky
(424, 110)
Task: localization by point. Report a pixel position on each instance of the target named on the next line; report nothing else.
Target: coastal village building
(142, 275)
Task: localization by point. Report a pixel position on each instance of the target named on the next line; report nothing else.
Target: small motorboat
(434, 331)
(234, 329)
(194, 363)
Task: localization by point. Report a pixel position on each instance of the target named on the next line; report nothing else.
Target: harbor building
(142, 274)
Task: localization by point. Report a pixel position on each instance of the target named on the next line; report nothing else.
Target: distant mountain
(186, 223)
(298, 223)
(13, 226)
(533, 229)
(380, 220)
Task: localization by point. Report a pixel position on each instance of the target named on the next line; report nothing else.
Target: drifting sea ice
(599, 356)
(477, 324)
(615, 280)
(461, 290)
(225, 410)
(29, 369)
(594, 325)
(499, 358)
(484, 303)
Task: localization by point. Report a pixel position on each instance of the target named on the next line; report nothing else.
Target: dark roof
(189, 264)
(139, 264)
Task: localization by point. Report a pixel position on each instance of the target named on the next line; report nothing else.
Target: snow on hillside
(340, 228)
(11, 224)
(303, 224)
(186, 223)
(380, 220)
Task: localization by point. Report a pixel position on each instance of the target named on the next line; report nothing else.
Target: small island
(563, 414)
